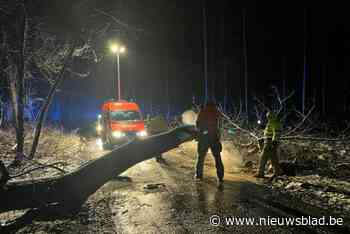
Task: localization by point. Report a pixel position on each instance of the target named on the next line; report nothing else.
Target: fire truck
(120, 122)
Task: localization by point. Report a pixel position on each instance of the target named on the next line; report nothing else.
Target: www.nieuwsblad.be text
(216, 220)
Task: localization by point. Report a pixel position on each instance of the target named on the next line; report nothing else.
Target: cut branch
(237, 126)
(300, 123)
(39, 168)
(53, 165)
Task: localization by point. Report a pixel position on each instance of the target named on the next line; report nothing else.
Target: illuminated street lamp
(117, 50)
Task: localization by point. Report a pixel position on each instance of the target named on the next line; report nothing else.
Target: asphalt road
(164, 198)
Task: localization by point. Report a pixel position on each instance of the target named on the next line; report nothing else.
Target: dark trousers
(204, 143)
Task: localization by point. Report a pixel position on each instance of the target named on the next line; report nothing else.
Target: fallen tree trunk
(70, 191)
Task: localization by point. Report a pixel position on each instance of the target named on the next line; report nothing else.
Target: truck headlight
(99, 143)
(118, 134)
(142, 133)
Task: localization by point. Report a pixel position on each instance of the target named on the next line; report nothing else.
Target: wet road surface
(164, 198)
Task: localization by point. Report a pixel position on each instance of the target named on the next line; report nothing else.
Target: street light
(117, 50)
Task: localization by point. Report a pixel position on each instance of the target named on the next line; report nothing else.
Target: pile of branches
(296, 125)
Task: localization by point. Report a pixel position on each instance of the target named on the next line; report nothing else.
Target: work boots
(198, 178)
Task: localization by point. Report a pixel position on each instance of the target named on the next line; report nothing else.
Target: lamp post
(117, 50)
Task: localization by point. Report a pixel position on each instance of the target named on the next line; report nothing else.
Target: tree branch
(118, 21)
(49, 98)
(237, 126)
(302, 122)
(39, 168)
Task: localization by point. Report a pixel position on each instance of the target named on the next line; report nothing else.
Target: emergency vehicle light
(118, 134)
(142, 133)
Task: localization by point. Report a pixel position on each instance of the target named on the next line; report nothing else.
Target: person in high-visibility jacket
(272, 134)
(209, 137)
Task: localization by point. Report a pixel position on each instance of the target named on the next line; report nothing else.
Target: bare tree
(21, 53)
(205, 47)
(48, 53)
(305, 65)
(245, 57)
(16, 71)
(67, 60)
(15, 74)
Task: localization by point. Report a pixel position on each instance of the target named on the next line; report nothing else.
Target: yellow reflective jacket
(273, 129)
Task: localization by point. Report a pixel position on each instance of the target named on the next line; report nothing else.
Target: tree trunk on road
(70, 191)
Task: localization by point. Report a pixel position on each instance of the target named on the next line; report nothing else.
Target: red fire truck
(120, 122)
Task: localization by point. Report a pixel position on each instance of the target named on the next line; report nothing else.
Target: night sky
(164, 61)
(171, 49)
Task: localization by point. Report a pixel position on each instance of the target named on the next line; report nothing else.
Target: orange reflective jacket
(208, 119)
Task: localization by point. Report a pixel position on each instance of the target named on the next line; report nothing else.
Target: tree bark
(14, 103)
(71, 190)
(16, 81)
(48, 101)
(205, 48)
(245, 63)
(22, 33)
(2, 113)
